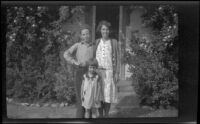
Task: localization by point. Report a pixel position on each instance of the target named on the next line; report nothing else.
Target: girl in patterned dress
(91, 92)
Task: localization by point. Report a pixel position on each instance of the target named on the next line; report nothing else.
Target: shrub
(64, 92)
(35, 69)
(154, 63)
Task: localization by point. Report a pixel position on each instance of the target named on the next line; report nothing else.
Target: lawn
(18, 111)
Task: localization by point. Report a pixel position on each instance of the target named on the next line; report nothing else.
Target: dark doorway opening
(110, 14)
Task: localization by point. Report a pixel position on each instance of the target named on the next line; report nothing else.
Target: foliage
(154, 61)
(35, 44)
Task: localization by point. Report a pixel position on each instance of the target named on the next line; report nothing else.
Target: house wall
(132, 21)
(135, 24)
(78, 20)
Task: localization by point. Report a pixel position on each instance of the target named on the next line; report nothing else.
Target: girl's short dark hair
(92, 62)
(101, 23)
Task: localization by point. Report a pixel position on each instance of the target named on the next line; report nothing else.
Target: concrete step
(124, 94)
(115, 109)
(126, 88)
(122, 106)
(127, 99)
(125, 83)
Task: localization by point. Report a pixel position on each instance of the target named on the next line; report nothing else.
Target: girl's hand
(82, 64)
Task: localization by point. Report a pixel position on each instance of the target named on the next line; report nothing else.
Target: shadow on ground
(131, 113)
(128, 106)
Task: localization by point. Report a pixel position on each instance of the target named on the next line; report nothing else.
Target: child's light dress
(91, 92)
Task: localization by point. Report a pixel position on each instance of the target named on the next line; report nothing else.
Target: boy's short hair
(84, 26)
(92, 62)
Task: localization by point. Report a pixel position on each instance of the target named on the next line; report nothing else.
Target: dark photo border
(188, 15)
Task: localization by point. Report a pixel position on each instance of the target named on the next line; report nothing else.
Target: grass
(19, 112)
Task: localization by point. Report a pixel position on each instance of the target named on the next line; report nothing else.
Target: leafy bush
(154, 63)
(35, 69)
(64, 92)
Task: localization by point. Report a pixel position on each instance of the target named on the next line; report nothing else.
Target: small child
(91, 92)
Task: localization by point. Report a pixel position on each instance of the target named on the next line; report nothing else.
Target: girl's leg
(87, 113)
(107, 109)
(94, 112)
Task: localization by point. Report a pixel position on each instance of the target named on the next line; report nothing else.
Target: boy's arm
(68, 54)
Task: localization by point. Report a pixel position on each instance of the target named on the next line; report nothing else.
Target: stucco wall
(135, 24)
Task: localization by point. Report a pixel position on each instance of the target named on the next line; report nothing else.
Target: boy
(83, 53)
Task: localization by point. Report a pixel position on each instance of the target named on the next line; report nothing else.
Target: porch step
(116, 106)
(127, 97)
(126, 88)
(125, 83)
(128, 101)
(124, 94)
(116, 109)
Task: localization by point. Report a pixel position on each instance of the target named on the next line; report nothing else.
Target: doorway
(110, 14)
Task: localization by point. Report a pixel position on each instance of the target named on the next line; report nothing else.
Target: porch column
(121, 42)
(93, 22)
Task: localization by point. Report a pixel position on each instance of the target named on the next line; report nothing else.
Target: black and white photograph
(92, 61)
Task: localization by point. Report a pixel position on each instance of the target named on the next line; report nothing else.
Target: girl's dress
(104, 58)
(91, 92)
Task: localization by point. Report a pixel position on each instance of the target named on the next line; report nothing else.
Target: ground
(127, 107)
(18, 111)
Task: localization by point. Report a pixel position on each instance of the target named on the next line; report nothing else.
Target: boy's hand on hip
(76, 63)
(82, 64)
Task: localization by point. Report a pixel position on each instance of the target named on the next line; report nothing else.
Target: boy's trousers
(78, 82)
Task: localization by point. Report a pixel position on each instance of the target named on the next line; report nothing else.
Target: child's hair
(92, 62)
(84, 26)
